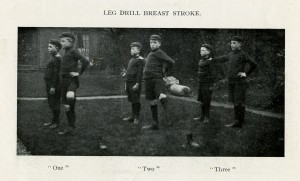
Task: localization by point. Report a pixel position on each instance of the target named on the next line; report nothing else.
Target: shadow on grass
(101, 121)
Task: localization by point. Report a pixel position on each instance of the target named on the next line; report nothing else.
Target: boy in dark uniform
(157, 63)
(134, 76)
(69, 78)
(237, 84)
(51, 78)
(207, 76)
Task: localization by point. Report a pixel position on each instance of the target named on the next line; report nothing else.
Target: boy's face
(134, 50)
(52, 48)
(154, 44)
(66, 42)
(204, 52)
(235, 45)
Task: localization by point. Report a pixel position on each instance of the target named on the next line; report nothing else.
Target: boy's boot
(154, 125)
(206, 114)
(190, 142)
(164, 103)
(237, 123)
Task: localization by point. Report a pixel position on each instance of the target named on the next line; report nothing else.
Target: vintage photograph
(150, 92)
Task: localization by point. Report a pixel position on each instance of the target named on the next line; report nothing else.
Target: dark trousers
(237, 95)
(204, 96)
(69, 84)
(54, 103)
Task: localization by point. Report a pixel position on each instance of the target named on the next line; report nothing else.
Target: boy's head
(135, 48)
(236, 43)
(54, 46)
(155, 42)
(206, 50)
(67, 39)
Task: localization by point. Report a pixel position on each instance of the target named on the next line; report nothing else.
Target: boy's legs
(129, 97)
(160, 91)
(56, 109)
(207, 100)
(134, 98)
(200, 99)
(237, 95)
(68, 89)
(151, 97)
(54, 104)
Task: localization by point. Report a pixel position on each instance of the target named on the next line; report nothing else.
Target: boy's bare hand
(135, 87)
(74, 74)
(52, 90)
(241, 74)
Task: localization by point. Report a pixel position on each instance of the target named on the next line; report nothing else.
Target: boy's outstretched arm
(221, 59)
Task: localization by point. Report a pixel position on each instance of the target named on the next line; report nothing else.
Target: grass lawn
(101, 121)
(32, 84)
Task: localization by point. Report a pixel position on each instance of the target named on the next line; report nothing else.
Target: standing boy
(157, 63)
(134, 76)
(69, 78)
(51, 78)
(237, 84)
(207, 77)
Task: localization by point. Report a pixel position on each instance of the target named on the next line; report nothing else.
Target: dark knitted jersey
(51, 76)
(237, 61)
(155, 62)
(70, 62)
(135, 69)
(206, 70)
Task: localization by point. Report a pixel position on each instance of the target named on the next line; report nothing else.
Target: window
(83, 44)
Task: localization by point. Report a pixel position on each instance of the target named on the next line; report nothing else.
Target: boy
(157, 63)
(134, 76)
(51, 78)
(69, 78)
(207, 77)
(237, 84)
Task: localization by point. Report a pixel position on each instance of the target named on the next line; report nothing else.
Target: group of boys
(61, 79)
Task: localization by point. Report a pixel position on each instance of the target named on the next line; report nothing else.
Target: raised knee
(70, 95)
(153, 103)
(67, 107)
(162, 96)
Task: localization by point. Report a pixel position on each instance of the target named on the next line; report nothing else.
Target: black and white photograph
(149, 90)
(181, 92)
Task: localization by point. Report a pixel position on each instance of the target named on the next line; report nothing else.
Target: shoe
(54, 126)
(206, 120)
(136, 121)
(235, 124)
(192, 144)
(151, 126)
(102, 147)
(48, 124)
(200, 118)
(130, 119)
(67, 131)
